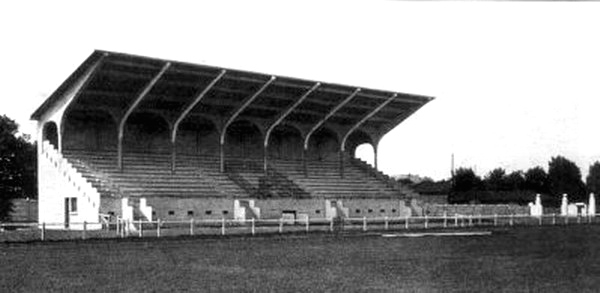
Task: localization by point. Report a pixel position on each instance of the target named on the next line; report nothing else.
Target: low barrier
(26, 232)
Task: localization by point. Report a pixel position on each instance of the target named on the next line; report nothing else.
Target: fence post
(386, 227)
(479, 220)
(307, 223)
(426, 221)
(406, 223)
(445, 219)
(495, 220)
(84, 229)
(141, 228)
(43, 231)
(553, 219)
(281, 225)
(118, 230)
(455, 220)
(158, 228)
(223, 226)
(470, 220)
(253, 230)
(510, 222)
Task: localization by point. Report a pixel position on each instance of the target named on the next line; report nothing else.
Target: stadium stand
(137, 137)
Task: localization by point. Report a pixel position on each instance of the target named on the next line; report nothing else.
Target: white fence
(24, 232)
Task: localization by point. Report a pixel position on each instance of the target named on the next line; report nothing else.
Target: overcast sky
(515, 83)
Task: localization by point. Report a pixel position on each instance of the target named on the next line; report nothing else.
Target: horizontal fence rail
(119, 228)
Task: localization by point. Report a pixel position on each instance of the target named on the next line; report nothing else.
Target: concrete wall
(285, 143)
(110, 206)
(476, 209)
(372, 208)
(57, 181)
(197, 142)
(178, 209)
(175, 209)
(439, 199)
(89, 131)
(146, 133)
(24, 210)
(323, 145)
(273, 208)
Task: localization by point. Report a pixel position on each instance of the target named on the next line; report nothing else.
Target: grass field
(526, 259)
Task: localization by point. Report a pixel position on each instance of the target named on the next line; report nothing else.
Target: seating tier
(147, 175)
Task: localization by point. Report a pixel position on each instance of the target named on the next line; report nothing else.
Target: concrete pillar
(375, 145)
(341, 163)
(538, 205)
(592, 206)
(304, 161)
(59, 135)
(173, 157)
(564, 205)
(221, 157)
(266, 159)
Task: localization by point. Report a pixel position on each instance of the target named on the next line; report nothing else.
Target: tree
(593, 178)
(565, 177)
(496, 180)
(17, 166)
(536, 179)
(515, 181)
(465, 180)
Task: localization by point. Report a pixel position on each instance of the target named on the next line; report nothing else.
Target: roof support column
(356, 126)
(341, 164)
(304, 162)
(322, 121)
(375, 151)
(232, 118)
(279, 119)
(184, 114)
(132, 107)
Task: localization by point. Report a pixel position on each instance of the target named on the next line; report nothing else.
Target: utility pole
(452, 173)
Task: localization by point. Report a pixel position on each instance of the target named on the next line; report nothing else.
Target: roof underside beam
(132, 107)
(223, 102)
(329, 114)
(364, 119)
(196, 100)
(288, 111)
(300, 84)
(390, 125)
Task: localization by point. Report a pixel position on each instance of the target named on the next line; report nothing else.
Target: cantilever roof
(117, 79)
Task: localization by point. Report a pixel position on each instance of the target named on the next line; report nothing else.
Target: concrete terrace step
(151, 174)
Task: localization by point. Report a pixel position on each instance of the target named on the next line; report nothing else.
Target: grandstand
(143, 138)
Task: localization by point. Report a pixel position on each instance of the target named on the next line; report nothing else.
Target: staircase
(275, 184)
(60, 173)
(324, 180)
(389, 181)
